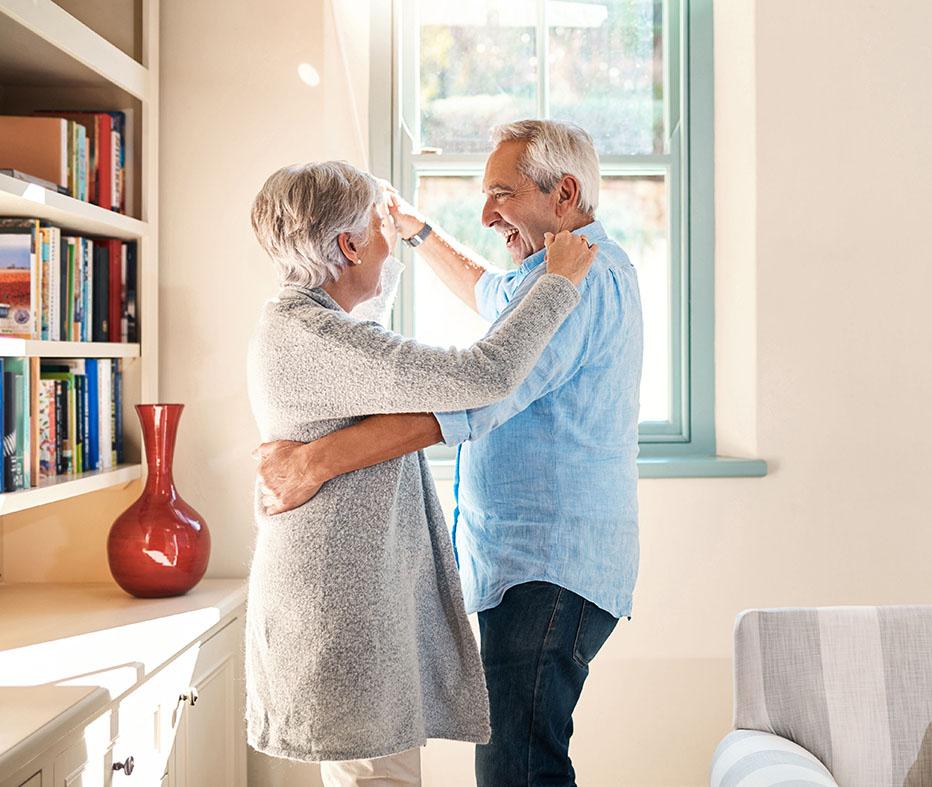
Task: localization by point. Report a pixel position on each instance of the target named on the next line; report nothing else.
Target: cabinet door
(210, 746)
(86, 761)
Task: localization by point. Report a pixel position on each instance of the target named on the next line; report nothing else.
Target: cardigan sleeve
(328, 365)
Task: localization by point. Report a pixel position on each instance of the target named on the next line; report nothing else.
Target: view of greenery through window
(479, 65)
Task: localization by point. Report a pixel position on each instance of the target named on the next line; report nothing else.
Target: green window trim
(684, 446)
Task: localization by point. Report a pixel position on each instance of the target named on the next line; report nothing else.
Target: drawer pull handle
(190, 697)
(126, 766)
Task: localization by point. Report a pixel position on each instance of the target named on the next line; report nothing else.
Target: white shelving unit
(51, 59)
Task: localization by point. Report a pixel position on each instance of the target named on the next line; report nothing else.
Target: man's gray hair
(300, 212)
(556, 149)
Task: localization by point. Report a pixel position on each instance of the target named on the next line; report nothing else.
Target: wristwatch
(419, 238)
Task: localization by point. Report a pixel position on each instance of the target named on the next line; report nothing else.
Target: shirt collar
(594, 234)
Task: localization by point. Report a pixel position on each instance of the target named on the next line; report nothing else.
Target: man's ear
(567, 194)
(348, 247)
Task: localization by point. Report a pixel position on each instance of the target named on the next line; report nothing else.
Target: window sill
(660, 467)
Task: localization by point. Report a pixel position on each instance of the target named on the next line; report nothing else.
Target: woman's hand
(288, 475)
(569, 255)
(407, 220)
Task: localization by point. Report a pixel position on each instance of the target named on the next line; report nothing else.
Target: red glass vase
(159, 546)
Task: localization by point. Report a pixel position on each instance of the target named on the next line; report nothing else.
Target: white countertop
(68, 650)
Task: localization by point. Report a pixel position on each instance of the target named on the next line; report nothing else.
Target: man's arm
(457, 267)
(291, 473)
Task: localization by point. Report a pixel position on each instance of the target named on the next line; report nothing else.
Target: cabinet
(181, 727)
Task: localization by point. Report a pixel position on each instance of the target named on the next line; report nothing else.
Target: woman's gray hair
(556, 149)
(300, 212)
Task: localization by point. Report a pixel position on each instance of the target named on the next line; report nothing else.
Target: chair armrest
(770, 758)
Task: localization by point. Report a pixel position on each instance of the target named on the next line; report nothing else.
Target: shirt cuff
(454, 427)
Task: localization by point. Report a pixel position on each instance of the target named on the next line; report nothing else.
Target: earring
(357, 261)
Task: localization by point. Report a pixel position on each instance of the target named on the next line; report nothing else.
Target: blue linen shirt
(546, 480)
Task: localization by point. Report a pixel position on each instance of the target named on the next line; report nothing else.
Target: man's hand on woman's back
(287, 475)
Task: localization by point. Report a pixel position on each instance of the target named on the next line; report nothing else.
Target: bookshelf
(77, 55)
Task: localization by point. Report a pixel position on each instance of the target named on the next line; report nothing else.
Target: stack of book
(82, 154)
(58, 286)
(60, 418)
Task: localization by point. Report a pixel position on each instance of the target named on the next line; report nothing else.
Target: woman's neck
(343, 294)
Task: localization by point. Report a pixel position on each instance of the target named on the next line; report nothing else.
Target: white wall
(823, 196)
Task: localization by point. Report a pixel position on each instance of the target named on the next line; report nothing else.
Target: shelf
(63, 487)
(19, 198)
(11, 347)
(45, 45)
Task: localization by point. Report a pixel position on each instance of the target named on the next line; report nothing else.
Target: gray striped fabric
(748, 758)
(851, 685)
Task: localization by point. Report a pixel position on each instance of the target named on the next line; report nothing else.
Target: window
(636, 74)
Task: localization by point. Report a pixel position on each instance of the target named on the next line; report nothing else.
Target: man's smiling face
(514, 206)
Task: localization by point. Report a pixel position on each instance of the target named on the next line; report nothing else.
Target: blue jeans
(536, 648)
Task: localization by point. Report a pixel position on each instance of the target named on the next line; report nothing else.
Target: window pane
(633, 211)
(454, 203)
(606, 72)
(477, 68)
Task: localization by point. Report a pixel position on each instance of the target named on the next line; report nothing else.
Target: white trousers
(395, 770)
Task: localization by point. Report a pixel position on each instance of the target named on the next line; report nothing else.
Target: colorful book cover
(12, 440)
(68, 420)
(93, 408)
(34, 387)
(118, 410)
(61, 431)
(114, 301)
(132, 329)
(22, 368)
(46, 429)
(113, 414)
(56, 251)
(45, 234)
(19, 250)
(88, 273)
(3, 462)
(104, 414)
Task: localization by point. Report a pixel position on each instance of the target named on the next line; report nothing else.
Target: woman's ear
(348, 247)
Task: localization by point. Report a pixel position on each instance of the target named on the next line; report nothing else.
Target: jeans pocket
(595, 627)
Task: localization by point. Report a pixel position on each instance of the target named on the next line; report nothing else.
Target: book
(115, 299)
(102, 164)
(37, 145)
(105, 412)
(46, 423)
(33, 415)
(27, 178)
(101, 308)
(132, 325)
(22, 369)
(67, 421)
(12, 438)
(61, 429)
(19, 269)
(118, 411)
(93, 418)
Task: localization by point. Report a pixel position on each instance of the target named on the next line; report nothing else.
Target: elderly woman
(357, 644)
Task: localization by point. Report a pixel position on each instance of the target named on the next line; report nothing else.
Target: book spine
(45, 432)
(63, 179)
(115, 316)
(124, 321)
(113, 415)
(104, 440)
(93, 404)
(55, 256)
(132, 325)
(60, 436)
(118, 410)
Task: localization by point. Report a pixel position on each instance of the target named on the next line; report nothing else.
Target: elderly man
(545, 529)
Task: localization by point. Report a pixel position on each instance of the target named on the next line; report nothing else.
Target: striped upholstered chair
(839, 695)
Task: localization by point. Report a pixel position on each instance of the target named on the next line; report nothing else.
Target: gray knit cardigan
(357, 641)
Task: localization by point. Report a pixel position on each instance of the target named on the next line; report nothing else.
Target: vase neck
(159, 428)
